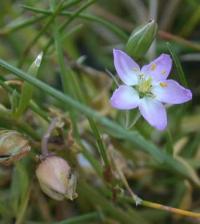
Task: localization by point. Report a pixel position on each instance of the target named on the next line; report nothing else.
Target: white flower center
(144, 86)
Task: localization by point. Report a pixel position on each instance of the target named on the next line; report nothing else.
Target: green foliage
(110, 159)
(27, 89)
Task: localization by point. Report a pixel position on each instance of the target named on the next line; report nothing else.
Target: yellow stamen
(135, 69)
(163, 72)
(163, 84)
(145, 85)
(153, 67)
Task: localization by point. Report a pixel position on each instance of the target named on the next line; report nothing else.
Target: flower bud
(56, 178)
(141, 39)
(13, 146)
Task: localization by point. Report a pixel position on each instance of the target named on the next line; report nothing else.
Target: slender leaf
(86, 218)
(178, 66)
(27, 90)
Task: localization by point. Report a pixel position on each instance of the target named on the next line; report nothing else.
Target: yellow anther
(163, 84)
(135, 69)
(153, 67)
(163, 72)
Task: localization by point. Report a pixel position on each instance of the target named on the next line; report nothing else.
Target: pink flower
(147, 88)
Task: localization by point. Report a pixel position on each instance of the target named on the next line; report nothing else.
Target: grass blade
(27, 90)
(178, 66)
(86, 218)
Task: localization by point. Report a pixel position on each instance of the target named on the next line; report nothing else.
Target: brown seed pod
(56, 178)
(13, 146)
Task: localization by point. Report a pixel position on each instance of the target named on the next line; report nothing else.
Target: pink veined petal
(125, 98)
(171, 92)
(158, 69)
(153, 112)
(126, 67)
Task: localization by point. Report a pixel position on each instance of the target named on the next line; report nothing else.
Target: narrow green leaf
(23, 207)
(19, 187)
(178, 66)
(59, 7)
(27, 89)
(92, 18)
(86, 218)
(14, 99)
(91, 159)
(100, 144)
(108, 207)
(20, 23)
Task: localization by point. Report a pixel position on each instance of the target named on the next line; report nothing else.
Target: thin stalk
(137, 199)
(127, 118)
(113, 78)
(140, 201)
(71, 18)
(95, 164)
(92, 18)
(100, 145)
(168, 36)
(35, 39)
(23, 208)
(179, 69)
(162, 207)
(47, 135)
(177, 211)
(135, 120)
(95, 198)
(170, 147)
(8, 30)
(93, 216)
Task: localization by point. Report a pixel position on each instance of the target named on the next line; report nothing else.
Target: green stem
(136, 119)
(95, 198)
(8, 30)
(93, 216)
(71, 18)
(34, 40)
(100, 145)
(88, 17)
(169, 142)
(178, 66)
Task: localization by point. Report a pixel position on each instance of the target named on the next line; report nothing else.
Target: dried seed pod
(13, 146)
(56, 178)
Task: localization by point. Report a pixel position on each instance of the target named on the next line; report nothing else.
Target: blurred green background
(77, 38)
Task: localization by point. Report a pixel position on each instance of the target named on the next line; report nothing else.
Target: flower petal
(126, 68)
(171, 92)
(158, 69)
(153, 112)
(125, 98)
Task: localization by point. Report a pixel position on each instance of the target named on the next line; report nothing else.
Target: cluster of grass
(124, 175)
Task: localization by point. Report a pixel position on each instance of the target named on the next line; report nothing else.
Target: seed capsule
(13, 146)
(56, 178)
